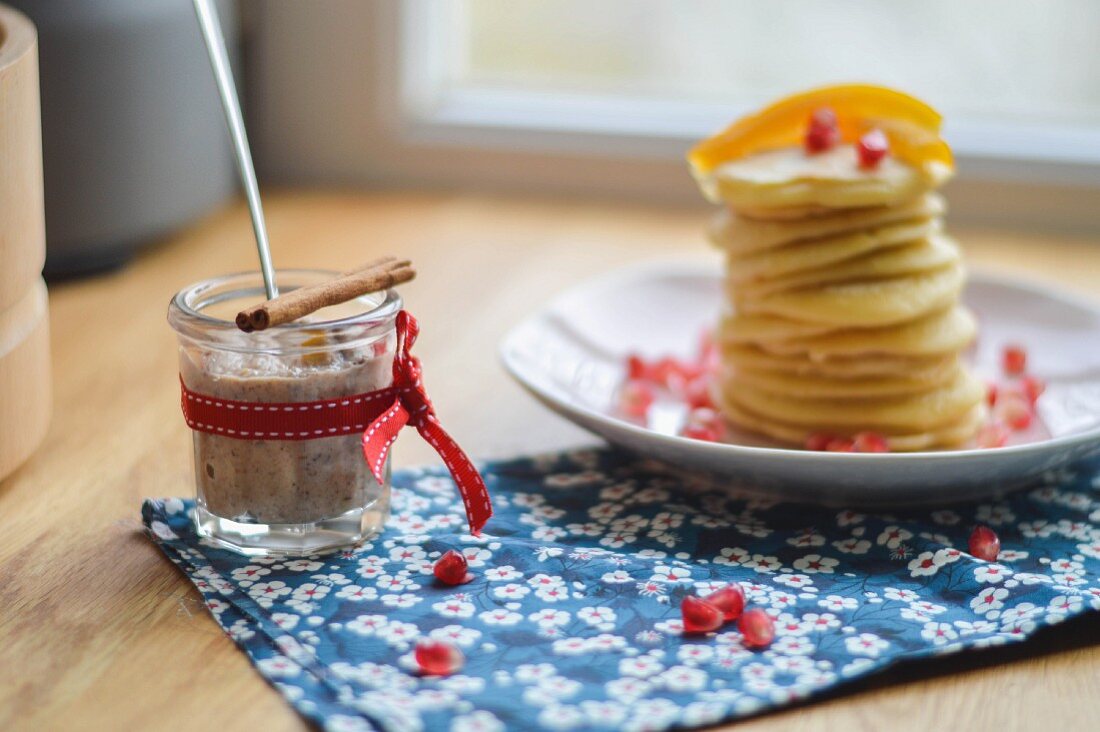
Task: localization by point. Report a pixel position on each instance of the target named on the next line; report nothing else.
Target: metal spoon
(223, 75)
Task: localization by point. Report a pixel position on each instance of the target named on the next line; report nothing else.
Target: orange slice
(912, 126)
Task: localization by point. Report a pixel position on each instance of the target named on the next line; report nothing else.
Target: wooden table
(99, 631)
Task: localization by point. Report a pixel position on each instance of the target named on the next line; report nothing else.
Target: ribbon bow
(411, 406)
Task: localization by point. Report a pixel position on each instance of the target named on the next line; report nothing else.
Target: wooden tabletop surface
(98, 631)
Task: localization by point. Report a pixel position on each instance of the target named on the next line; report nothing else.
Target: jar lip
(184, 302)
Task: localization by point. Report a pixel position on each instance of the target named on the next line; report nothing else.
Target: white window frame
(358, 92)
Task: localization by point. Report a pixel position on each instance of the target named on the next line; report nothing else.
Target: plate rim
(670, 267)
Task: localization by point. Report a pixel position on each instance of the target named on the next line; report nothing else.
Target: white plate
(570, 356)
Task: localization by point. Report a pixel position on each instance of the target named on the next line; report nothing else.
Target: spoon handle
(227, 89)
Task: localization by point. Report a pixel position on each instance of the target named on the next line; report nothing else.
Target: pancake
(927, 367)
(746, 328)
(833, 179)
(913, 257)
(740, 235)
(947, 331)
(866, 304)
(950, 436)
(817, 386)
(816, 253)
(910, 414)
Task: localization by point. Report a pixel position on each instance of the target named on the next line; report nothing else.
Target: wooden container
(24, 335)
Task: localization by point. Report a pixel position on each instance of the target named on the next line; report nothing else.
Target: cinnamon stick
(380, 274)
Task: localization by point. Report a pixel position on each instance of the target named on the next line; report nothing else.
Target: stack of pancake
(844, 309)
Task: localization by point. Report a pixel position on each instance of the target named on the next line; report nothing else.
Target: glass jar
(263, 497)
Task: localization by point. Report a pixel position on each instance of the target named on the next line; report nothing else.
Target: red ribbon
(379, 415)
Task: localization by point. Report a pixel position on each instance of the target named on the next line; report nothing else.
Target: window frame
(369, 90)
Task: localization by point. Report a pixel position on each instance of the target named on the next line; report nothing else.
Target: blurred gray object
(133, 139)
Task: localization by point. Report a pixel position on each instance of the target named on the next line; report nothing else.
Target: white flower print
(794, 580)
(641, 667)
(459, 635)
(355, 593)
(978, 626)
(503, 573)
(403, 600)
(393, 583)
(570, 646)
(310, 592)
(924, 565)
(560, 716)
(303, 565)
(836, 602)
(397, 632)
(806, 538)
(454, 608)
(847, 518)
(545, 580)
(618, 539)
(549, 617)
(819, 622)
(285, 621)
(528, 673)
(1011, 555)
(695, 653)
(814, 563)
(554, 593)
(652, 589)
(892, 536)
(265, 593)
(793, 645)
(335, 579)
(893, 593)
(991, 573)
(510, 592)
(500, 616)
(367, 624)
(407, 554)
(617, 577)
(761, 563)
(988, 600)
(477, 721)
(603, 713)
(278, 667)
(586, 529)
(995, 515)
(938, 633)
(731, 555)
(1065, 604)
(662, 573)
(854, 545)
(596, 615)
(679, 679)
(245, 576)
(865, 644)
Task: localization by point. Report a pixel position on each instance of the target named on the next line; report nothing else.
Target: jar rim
(186, 316)
(185, 301)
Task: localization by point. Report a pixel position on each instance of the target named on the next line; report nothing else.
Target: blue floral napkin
(573, 619)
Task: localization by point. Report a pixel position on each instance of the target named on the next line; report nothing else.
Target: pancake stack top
(843, 290)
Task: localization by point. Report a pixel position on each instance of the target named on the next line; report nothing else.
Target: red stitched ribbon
(379, 415)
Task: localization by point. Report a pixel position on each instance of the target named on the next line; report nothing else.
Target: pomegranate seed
(451, 569)
(699, 615)
(701, 432)
(840, 444)
(991, 392)
(1014, 360)
(822, 133)
(985, 544)
(872, 148)
(697, 393)
(757, 628)
(870, 442)
(636, 397)
(992, 434)
(729, 599)
(1014, 410)
(436, 658)
(1033, 388)
(636, 367)
(819, 441)
(708, 352)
